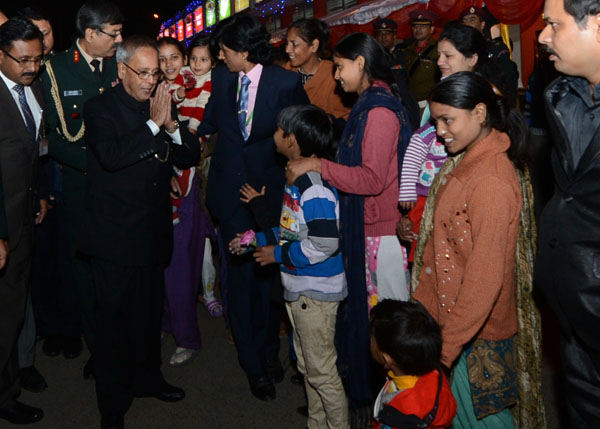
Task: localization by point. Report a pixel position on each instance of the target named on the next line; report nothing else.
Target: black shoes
(72, 347)
(167, 393)
(275, 371)
(20, 414)
(54, 345)
(32, 380)
(112, 422)
(262, 388)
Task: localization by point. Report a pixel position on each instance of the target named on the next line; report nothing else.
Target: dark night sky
(138, 16)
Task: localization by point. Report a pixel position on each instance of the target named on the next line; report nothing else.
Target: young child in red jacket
(407, 342)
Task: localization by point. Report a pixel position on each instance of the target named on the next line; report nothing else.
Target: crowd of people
(377, 192)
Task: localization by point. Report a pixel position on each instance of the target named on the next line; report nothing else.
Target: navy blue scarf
(352, 329)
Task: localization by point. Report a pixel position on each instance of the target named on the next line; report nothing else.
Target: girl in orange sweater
(466, 272)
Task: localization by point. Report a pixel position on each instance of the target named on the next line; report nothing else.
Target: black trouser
(127, 357)
(254, 302)
(14, 284)
(582, 379)
(54, 293)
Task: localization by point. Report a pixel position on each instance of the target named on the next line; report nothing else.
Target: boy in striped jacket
(312, 271)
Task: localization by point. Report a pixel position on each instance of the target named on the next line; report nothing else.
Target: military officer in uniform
(385, 33)
(476, 17)
(72, 77)
(420, 56)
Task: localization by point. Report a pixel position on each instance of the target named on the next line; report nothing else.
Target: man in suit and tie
(71, 78)
(243, 110)
(21, 128)
(133, 143)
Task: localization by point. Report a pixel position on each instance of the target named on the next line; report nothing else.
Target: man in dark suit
(246, 154)
(71, 78)
(21, 128)
(128, 232)
(568, 262)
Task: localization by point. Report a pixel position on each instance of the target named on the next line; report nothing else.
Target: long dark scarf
(352, 329)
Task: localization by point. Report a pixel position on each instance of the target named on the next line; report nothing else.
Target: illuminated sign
(199, 20)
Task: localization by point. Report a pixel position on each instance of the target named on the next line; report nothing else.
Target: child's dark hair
(245, 33)
(202, 39)
(311, 29)
(465, 90)
(408, 333)
(378, 63)
(173, 42)
(311, 127)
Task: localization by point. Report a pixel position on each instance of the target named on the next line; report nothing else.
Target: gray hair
(127, 48)
(581, 10)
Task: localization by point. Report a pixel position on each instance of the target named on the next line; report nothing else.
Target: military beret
(421, 16)
(473, 11)
(385, 24)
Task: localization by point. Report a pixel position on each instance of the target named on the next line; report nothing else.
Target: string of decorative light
(263, 9)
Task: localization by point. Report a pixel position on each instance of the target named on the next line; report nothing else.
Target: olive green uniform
(421, 68)
(76, 84)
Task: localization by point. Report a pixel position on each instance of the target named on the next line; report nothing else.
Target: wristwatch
(175, 127)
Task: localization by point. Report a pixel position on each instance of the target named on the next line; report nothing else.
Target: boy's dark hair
(408, 333)
(311, 127)
(18, 28)
(202, 39)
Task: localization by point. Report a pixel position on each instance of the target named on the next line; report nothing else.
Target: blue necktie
(29, 121)
(242, 106)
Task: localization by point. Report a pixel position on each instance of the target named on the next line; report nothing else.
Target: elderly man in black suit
(21, 129)
(133, 142)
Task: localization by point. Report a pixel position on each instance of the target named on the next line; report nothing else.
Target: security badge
(75, 56)
(472, 10)
(383, 25)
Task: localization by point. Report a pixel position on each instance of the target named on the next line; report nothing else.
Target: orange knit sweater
(468, 277)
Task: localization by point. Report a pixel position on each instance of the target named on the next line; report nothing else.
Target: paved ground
(217, 392)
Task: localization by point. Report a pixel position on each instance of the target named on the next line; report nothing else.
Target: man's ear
(121, 70)
(89, 34)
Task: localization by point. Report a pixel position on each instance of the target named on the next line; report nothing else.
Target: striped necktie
(242, 106)
(29, 121)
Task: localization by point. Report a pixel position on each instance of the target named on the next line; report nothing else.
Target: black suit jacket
(254, 161)
(19, 162)
(128, 218)
(568, 262)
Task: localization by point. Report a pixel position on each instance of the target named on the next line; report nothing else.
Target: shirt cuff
(176, 137)
(153, 127)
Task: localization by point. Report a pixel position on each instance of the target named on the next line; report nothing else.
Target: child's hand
(265, 255)
(181, 93)
(192, 130)
(406, 205)
(404, 229)
(249, 193)
(235, 246)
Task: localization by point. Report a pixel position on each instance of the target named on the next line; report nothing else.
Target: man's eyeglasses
(26, 61)
(114, 36)
(145, 75)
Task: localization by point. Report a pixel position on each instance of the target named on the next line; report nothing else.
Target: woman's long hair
(378, 64)
(465, 90)
(469, 41)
